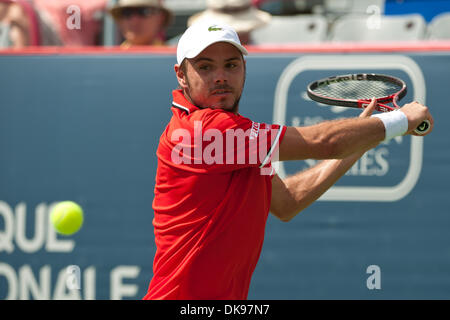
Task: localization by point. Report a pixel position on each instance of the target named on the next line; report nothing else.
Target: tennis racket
(357, 91)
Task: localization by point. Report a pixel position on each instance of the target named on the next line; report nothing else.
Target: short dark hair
(183, 66)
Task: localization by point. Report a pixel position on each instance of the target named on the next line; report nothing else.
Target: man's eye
(204, 67)
(231, 65)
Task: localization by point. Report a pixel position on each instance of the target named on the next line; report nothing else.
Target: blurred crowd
(140, 22)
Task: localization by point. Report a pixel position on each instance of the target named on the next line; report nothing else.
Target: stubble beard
(234, 107)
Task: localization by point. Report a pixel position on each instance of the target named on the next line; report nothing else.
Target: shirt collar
(180, 102)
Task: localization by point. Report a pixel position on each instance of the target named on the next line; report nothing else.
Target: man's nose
(220, 76)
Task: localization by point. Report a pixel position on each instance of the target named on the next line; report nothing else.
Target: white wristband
(395, 123)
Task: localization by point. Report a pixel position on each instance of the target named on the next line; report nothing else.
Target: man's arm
(295, 193)
(334, 139)
(338, 139)
(347, 139)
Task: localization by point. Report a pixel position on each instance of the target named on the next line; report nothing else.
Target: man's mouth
(221, 91)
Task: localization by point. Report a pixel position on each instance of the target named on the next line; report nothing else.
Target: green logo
(214, 28)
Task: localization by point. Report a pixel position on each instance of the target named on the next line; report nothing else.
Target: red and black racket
(357, 91)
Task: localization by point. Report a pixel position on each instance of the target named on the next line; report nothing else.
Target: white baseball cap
(201, 35)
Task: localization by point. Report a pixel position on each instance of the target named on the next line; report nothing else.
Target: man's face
(140, 26)
(215, 78)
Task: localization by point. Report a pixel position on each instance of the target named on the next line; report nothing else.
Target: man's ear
(181, 77)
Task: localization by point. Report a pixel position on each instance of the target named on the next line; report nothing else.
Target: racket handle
(423, 127)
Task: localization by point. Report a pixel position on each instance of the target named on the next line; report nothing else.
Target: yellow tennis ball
(67, 217)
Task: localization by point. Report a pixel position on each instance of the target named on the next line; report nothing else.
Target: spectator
(141, 22)
(77, 22)
(241, 15)
(14, 24)
(22, 25)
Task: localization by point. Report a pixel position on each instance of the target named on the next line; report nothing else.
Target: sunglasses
(142, 12)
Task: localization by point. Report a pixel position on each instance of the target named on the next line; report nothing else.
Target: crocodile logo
(214, 28)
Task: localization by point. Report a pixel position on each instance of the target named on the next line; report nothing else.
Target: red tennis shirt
(212, 198)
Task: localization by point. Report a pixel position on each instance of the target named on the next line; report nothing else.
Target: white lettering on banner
(27, 284)
(118, 288)
(89, 282)
(372, 163)
(15, 228)
(68, 284)
(9, 274)
(53, 243)
(24, 285)
(35, 243)
(7, 235)
(30, 287)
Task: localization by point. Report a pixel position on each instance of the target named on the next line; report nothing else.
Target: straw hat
(241, 15)
(142, 3)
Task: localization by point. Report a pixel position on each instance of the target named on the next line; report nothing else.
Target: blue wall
(86, 127)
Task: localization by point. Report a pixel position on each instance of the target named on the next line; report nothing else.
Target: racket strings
(356, 89)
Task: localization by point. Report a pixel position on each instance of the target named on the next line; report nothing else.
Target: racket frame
(362, 103)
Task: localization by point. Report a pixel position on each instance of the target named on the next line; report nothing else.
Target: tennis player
(215, 184)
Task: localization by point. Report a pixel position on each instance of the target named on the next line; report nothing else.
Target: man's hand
(416, 114)
(367, 112)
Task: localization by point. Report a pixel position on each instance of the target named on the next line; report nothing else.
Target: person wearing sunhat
(241, 15)
(141, 22)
